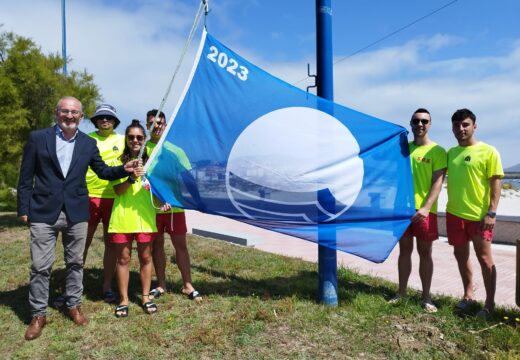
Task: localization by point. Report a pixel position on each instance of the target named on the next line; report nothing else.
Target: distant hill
(514, 168)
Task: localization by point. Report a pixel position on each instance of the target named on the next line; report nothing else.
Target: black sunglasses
(133, 137)
(422, 121)
(106, 118)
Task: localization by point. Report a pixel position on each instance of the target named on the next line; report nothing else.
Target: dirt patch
(416, 336)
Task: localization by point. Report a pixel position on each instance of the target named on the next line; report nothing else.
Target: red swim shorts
(460, 230)
(171, 223)
(425, 230)
(123, 238)
(100, 210)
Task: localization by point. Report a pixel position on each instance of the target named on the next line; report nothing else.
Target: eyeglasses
(422, 121)
(72, 112)
(135, 137)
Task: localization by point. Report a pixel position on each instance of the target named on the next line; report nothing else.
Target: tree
(31, 83)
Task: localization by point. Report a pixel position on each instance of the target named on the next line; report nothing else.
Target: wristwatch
(130, 180)
(491, 214)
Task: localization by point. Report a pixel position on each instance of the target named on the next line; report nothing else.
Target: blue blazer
(43, 191)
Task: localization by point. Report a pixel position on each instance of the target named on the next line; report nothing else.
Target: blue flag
(248, 146)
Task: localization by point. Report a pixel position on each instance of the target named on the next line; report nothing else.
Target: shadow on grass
(303, 285)
(500, 315)
(9, 221)
(93, 283)
(17, 299)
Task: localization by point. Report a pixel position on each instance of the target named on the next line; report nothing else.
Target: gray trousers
(43, 245)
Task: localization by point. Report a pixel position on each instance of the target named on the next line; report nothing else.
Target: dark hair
(421, 110)
(154, 112)
(463, 114)
(126, 156)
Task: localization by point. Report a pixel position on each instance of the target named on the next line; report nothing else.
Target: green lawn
(256, 306)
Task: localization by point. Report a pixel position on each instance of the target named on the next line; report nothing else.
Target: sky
(465, 55)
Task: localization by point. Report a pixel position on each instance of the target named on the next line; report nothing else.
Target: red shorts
(171, 223)
(123, 238)
(460, 230)
(100, 210)
(424, 230)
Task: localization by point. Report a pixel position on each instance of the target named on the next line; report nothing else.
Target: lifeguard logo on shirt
(467, 158)
(424, 160)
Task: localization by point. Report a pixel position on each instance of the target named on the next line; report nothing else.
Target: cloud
(132, 52)
(392, 82)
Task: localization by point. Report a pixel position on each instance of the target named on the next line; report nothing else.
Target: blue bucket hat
(105, 110)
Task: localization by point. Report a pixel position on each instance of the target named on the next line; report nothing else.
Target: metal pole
(517, 272)
(327, 261)
(63, 38)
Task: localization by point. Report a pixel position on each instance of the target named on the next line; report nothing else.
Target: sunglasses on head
(135, 137)
(422, 121)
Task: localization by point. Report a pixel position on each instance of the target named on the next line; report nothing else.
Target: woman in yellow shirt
(133, 217)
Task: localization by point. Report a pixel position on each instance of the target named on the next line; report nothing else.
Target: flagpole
(63, 38)
(327, 259)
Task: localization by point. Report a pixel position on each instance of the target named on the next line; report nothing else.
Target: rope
(202, 8)
(206, 11)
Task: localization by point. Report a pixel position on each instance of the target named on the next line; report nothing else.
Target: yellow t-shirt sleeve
(494, 164)
(440, 159)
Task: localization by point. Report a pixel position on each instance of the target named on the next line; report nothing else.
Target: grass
(256, 306)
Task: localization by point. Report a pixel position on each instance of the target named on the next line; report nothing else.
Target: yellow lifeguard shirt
(469, 171)
(110, 148)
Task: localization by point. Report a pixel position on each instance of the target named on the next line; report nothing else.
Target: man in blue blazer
(52, 198)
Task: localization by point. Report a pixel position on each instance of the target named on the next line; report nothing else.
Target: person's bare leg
(489, 274)
(91, 230)
(461, 253)
(424, 248)
(145, 261)
(124, 253)
(404, 263)
(109, 260)
(159, 260)
(182, 257)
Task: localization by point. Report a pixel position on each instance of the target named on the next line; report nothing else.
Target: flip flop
(109, 297)
(429, 306)
(149, 307)
(194, 295)
(484, 314)
(395, 300)
(121, 311)
(465, 304)
(156, 293)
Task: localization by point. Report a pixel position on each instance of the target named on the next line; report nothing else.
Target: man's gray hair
(69, 98)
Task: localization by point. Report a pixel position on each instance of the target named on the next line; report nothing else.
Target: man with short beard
(52, 197)
(474, 188)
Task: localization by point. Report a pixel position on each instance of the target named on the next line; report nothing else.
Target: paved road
(446, 279)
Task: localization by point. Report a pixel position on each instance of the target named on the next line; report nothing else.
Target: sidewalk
(446, 278)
